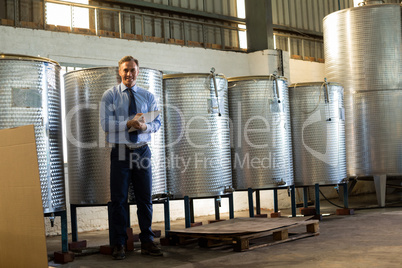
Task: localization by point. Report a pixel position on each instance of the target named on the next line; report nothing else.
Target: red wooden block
(106, 250)
(275, 214)
(63, 257)
(308, 211)
(345, 211)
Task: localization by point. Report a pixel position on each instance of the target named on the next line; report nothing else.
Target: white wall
(306, 71)
(72, 49)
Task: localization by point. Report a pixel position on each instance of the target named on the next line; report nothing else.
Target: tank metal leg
(187, 213)
(74, 228)
(305, 196)
(217, 205)
(231, 206)
(380, 182)
(64, 231)
(345, 195)
(250, 202)
(167, 214)
(109, 212)
(293, 200)
(317, 198)
(276, 206)
(192, 210)
(257, 202)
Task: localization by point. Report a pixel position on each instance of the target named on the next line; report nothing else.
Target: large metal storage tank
(261, 134)
(318, 133)
(30, 95)
(198, 138)
(88, 152)
(363, 52)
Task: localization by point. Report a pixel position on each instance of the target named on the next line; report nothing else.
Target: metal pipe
(120, 26)
(142, 28)
(96, 22)
(44, 13)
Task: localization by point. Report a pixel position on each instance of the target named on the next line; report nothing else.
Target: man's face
(128, 72)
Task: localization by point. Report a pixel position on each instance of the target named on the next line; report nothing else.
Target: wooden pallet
(245, 233)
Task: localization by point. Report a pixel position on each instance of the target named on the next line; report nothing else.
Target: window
(64, 15)
(241, 13)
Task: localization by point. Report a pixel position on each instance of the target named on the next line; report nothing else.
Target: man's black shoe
(118, 253)
(150, 248)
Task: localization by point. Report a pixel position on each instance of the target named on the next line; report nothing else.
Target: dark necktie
(132, 110)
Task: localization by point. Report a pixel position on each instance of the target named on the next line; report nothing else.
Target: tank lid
(314, 84)
(107, 68)
(370, 2)
(91, 69)
(255, 77)
(24, 57)
(182, 75)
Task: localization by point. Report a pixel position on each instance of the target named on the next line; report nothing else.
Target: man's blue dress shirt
(114, 113)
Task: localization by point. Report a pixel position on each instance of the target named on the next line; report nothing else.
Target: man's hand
(137, 123)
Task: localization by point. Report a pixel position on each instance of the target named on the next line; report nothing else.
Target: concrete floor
(370, 238)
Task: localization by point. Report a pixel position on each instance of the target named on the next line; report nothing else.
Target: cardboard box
(22, 227)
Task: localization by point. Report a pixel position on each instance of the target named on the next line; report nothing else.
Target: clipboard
(148, 117)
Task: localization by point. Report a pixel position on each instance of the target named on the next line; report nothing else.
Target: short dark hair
(128, 58)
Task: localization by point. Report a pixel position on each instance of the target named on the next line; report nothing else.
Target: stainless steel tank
(198, 138)
(363, 52)
(261, 133)
(88, 152)
(318, 133)
(30, 95)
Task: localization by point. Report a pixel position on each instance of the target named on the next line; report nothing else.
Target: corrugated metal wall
(305, 14)
(297, 23)
(185, 33)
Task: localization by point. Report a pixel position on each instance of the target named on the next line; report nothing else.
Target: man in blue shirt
(120, 112)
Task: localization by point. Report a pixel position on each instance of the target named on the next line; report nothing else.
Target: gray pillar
(260, 33)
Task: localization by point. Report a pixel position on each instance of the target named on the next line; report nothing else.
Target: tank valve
(51, 219)
(336, 187)
(276, 90)
(216, 88)
(218, 200)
